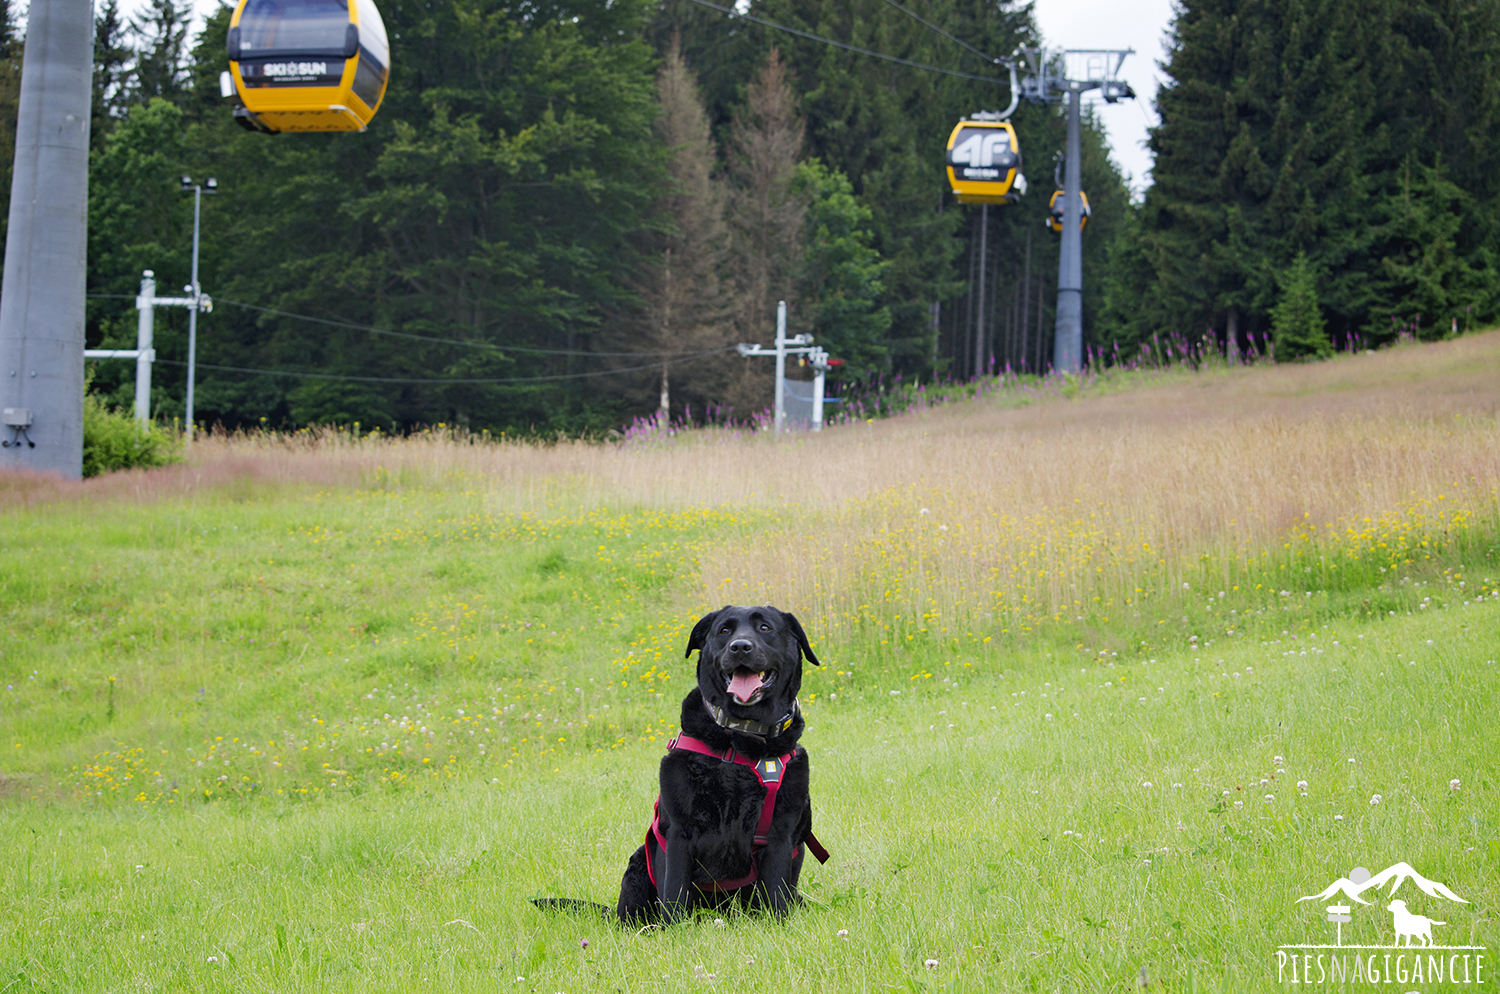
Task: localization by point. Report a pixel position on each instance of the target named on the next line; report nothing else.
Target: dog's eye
(765, 627)
(725, 630)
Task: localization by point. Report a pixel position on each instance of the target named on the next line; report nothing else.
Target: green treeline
(1323, 167)
(567, 188)
(556, 190)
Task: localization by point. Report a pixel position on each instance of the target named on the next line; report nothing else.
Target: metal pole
(193, 314)
(145, 304)
(1068, 347)
(818, 373)
(1025, 304)
(46, 248)
(780, 366)
(984, 242)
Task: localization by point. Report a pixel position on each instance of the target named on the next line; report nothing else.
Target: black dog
(734, 808)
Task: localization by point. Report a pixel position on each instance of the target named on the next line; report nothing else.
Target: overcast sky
(1110, 24)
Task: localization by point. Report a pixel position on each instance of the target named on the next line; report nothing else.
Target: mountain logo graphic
(1421, 949)
(1359, 881)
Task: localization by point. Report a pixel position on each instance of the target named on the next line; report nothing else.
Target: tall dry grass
(981, 513)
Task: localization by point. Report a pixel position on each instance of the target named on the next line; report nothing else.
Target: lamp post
(194, 291)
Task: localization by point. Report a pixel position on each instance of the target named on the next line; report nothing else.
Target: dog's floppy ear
(699, 638)
(796, 626)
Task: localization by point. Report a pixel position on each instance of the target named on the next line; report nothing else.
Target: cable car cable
(453, 379)
(422, 338)
(844, 45)
(448, 341)
(959, 41)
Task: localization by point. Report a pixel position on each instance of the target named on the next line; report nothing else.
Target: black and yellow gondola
(984, 163)
(308, 65)
(1056, 207)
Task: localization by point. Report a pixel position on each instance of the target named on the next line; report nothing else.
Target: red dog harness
(768, 772)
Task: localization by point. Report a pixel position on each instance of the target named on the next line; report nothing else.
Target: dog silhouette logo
(1413, 954)
(1410, 926)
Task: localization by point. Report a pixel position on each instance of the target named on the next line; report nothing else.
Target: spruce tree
(685, 303)
(1297, 327)
(766, 208)
(111, 57)
(10, 103)
(160, 70)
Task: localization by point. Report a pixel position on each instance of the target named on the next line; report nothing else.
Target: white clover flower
(1270, 798)
(931, 964)
(1338, 817)
(1146, 784)
(1375, 799)
(1280, 760)
(1301, 784)
(843, 933)
(1239, 804)
(1453, 784)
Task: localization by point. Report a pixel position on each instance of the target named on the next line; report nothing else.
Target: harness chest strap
(768, 771)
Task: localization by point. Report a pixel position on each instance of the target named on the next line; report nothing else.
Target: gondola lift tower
(1053, 75)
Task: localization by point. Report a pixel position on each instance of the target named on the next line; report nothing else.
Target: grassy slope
(272, 625)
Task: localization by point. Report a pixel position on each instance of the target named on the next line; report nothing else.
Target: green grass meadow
(271, 737)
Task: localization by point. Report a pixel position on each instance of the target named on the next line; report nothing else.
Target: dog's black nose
(741, 647)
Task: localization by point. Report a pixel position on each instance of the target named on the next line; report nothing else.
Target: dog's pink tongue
(743, 685)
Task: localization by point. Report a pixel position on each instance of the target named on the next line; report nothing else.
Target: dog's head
(750, 660)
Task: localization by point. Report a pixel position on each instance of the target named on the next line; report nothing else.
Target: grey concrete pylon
(42, 295)
(1068, 347)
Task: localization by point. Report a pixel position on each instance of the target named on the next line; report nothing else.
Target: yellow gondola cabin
(1055, 212)
(984, 163)
(307, 65)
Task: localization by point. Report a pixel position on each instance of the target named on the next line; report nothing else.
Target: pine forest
(567, 212)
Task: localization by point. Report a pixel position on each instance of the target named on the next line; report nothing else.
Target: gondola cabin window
(308, 65)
